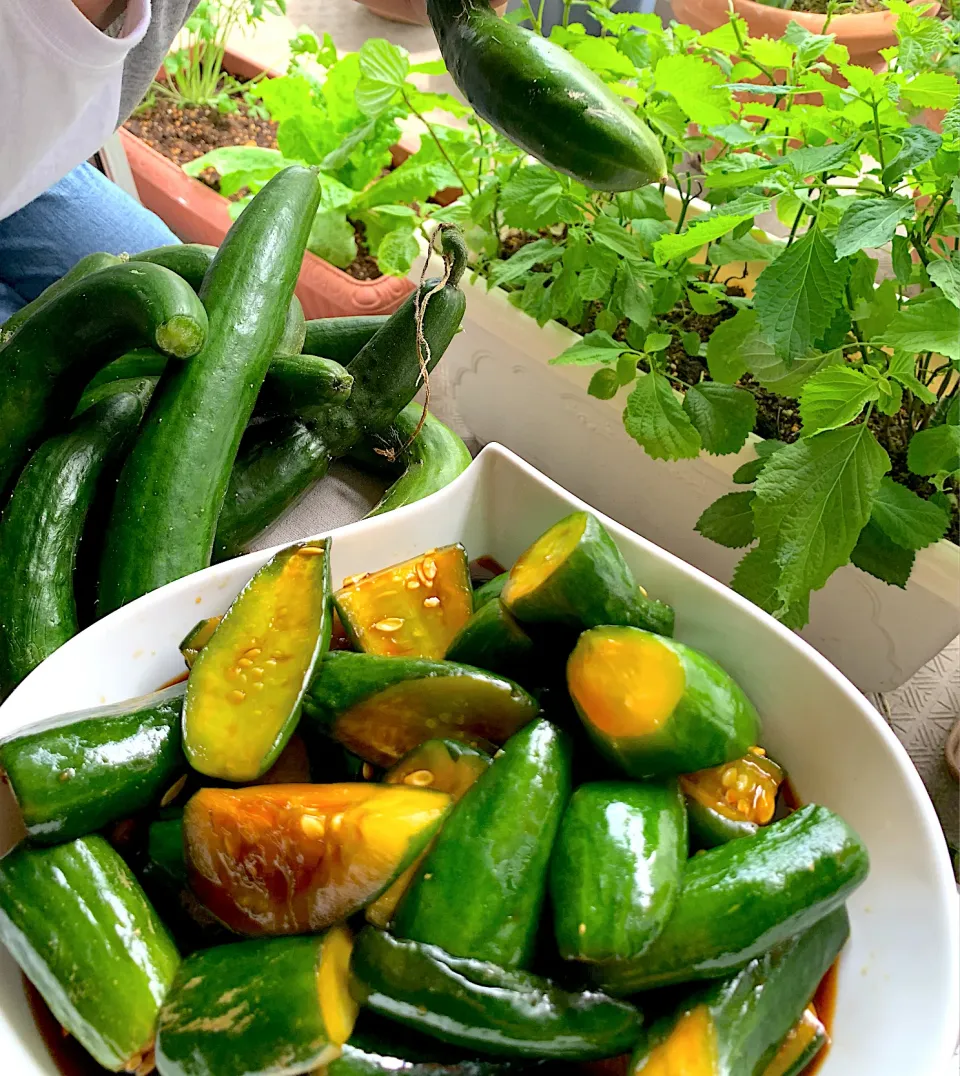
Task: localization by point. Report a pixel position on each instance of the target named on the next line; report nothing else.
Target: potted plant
(864, 27)
(631, 306)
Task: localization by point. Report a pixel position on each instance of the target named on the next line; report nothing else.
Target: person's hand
(101, 12)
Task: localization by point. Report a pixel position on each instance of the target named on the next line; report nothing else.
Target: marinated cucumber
(46, 363)
(173, 484)
(197, 638)
(342, 339)
(287, 859)
(74, 774)
(734, 1027)
(739, 900)
(445, 766)
(492, 639)
(259, 1008)
(486, 592)
(732, 800)
(495, 846)
(544, 99)
(616, 869)
(656, 707)
(574, 574)
(484, 1007)
(412, 609)
(41, 528)
(431, 461)
(88, 264)
(192, 260)
(279, 461)
(380, 707)
(79, 925)
(246, 685)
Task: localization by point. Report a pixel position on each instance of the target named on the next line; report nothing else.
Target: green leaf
(745, 249)
(903, 369)
(935, 450)
(931, 90)
(644, 202)
(812, 160)
(870, 222)
(408, 183)
(902, 259)
(633, 295)
(945, 273)
(384, 68)
(535, 198)
(697, 86)
(875, 314)
(729, 520)
(655, 342)
(750, 471)
(890, 399)
(341, 153)
(655, 419)
(757, 577)
(595, 347)
(833, 397)
(917, 146)
(700, 232)
(906, 518)
(600, 54)
(875, 554)
(798, 294)
(627, 368)
(705, 302)
(604, 384)
(814, 497)
(724, 358)
(611, 234)
(723, 415)
(929, 325)
(397, 251)
(607, 321)
(541, 252)
(690, 342)
(230, 159)
(332, 238)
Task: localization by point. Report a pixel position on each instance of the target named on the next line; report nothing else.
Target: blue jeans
(81, 214)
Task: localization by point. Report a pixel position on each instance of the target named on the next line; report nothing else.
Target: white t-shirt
(60, 77)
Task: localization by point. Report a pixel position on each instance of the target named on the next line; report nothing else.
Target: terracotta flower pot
(864, 35)
(409, 11)
(198, 214)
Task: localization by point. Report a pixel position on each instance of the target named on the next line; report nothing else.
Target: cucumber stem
(454, 252)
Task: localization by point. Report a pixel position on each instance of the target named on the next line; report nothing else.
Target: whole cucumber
(46, 363)
(172, 487)
(42, 525)
(88, 264)
(341, 339)
(544, 99)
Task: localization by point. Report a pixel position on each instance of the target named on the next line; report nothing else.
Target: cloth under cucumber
(172, 487)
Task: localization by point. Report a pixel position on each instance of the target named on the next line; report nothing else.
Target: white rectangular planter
(497, 371)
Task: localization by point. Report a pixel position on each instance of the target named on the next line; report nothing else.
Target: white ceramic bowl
(898, 985)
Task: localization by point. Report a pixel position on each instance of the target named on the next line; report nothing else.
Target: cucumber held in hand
(543, 99)
(46, 363)
(81, 928)
(656, 707)
(734, 1027)
(484, 1007)
(247, 682)
(42, 524)
(575, 575)
(275, 1007)
(616, 868)
(386, 375)
(744, 897)
(382, 707)
(495, 847)
(172, 487)
(75, 774)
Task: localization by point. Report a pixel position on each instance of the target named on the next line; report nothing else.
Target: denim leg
(10, 302)
(81, 214)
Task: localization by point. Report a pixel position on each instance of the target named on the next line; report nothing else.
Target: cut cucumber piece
(81, 928)
(413, 609)
(803, 1042)
(286, 859)
(574, 574)
(259, 1008)
(492, 639)
(616, 869)
(484, 1007)
(76, 773)
(197, 638)
(732, 800)
(380, 708)
(496, 847)
(486, 592)
(742, 898)
(656, 707)
(246, 685)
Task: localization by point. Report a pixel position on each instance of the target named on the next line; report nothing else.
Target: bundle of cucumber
(520, 908)
(157, 469)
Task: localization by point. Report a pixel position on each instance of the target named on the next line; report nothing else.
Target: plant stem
(439, 144)
(567, 5)
(796, 223)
